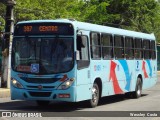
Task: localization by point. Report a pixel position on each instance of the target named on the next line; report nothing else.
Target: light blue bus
(67, 60)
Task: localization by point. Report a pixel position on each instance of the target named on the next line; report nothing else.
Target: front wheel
(95, 95)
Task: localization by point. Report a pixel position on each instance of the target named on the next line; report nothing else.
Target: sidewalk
(5, 92)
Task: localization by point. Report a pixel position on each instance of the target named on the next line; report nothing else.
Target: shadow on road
(115, 99)
(59, 106)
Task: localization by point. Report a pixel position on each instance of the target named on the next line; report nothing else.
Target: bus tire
(95, 95)
(138, 91)
(42, 103)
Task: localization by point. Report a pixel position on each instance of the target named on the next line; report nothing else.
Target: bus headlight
(66, 84)
(16, 84)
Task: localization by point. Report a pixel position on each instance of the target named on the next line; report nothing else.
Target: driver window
(82, 47)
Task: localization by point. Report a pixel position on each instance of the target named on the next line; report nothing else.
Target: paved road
(150, 101)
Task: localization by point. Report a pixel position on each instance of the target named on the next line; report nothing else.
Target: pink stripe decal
(144, 69)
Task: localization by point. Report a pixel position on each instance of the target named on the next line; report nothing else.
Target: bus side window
(138, 48)
(129, 48)
(107, 46)
(153, 50)
(119, 47)
(82, 47)
(146, 49)
(95, 46)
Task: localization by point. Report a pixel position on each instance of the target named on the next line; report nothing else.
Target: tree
(48, 9)
(2, 15)
(138, 15)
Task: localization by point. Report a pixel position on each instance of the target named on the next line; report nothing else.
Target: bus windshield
(42, 55)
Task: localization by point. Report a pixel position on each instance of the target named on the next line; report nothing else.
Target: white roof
(98, 28)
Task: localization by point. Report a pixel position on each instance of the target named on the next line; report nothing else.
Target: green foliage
(48, 9)
(138, 15)
(2, 21)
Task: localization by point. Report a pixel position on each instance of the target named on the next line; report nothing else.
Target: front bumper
(49, 95)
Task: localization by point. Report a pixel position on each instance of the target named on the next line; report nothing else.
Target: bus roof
(97, 28)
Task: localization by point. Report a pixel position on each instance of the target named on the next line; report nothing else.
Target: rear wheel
(42, 103)
(95, 95)
(138, 90)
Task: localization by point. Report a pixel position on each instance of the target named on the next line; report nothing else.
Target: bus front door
(83, 69)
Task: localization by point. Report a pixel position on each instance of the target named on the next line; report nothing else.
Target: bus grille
(40, 94)
(40, 80)
(36, 87)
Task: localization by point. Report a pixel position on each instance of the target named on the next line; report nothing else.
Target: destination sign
(44, 29)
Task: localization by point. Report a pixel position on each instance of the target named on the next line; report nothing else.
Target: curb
(4, 92)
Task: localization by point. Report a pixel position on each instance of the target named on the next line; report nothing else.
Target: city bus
(72, 61)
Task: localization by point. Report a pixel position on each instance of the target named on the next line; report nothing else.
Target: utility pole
(8, 35)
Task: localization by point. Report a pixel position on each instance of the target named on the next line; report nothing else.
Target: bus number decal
(137, 66)
(117, 67)
(97, 67)
(27, 28)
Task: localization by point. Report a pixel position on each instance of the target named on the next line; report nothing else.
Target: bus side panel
(118, 76)
(149, 73)
(127, 69)
(83, 92)
(83, 84)
(107, 84)
(100, 71)
(154, 71)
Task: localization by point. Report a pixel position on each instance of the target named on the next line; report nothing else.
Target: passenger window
(153, 50)
(119, 47)
(129, 48)
(138, 49)
(95, 45)
(107, 46)
(146, 47)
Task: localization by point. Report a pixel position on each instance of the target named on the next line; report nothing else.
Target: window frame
(81, 64)
(129, 48)
(98, 45)
(146, 49)
(153, 50)
(119, 47)
(108, 46)
(139, 48)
